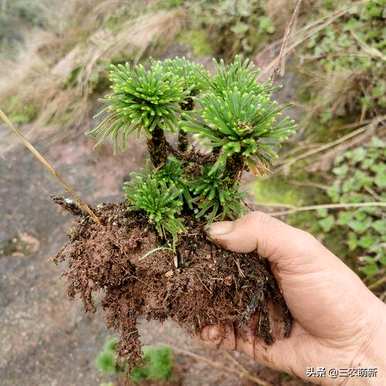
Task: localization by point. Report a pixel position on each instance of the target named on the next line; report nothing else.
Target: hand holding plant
(338, 322)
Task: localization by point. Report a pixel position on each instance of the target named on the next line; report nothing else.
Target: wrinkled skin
(338, 322)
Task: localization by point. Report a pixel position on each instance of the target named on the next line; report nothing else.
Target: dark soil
(197, 285)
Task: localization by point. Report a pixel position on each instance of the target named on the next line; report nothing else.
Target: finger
(219, 336)
(280, 243)
(275, 356)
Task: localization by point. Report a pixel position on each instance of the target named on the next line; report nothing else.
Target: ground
(46, 339)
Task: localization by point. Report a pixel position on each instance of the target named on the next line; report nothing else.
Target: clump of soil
(197, 285)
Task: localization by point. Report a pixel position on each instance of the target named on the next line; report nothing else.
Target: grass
(20, 112)
(62, 77)
(275, 191)
(198, 41)
(344, 64)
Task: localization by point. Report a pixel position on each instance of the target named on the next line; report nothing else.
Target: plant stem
(234, 167)
(158, 147)
(66, 186)
(327, 206)
(183, 141)
(378, 283)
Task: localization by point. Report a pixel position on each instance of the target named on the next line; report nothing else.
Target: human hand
(338, 322)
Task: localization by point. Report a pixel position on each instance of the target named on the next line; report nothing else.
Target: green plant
(236, 26)
(198, 40)
(348, 57)
(192, 75)
(238, 119)
(159, 200)
(216, 197)
(360, 176)
(233, 115)
(158, 364)
(170, 3)
(106, 361)
(19, 111)
(141, 100)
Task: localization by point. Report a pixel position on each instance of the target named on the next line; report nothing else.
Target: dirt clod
(211, 286)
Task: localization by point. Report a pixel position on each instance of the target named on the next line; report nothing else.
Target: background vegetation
(335, 78)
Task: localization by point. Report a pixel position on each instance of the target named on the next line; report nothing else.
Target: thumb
(280, 243)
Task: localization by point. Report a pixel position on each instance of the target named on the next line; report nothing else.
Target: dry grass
(59, 72)
(338, 92)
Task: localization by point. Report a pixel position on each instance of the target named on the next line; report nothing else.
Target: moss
(274, 190)
(158, 365)
(198, 40)
(169, 4)
(20, 111)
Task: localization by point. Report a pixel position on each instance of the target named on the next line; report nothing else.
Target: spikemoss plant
(238, 124)
(157, 365)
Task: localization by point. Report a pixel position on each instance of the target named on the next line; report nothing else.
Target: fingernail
(220, 228)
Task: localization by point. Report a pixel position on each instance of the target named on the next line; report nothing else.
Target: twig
(291, 161)
(236, 363)
(153, 251)
(372, 193)
(313, 29)
(241, 374)
(281, 60)
(372, 51)
(275, 205)
(328, 206)
(67, 187)
(198, 277)
(309, 185)
(378, 283)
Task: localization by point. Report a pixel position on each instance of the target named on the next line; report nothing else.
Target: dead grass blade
(60, 76)
(243, 374)
(66, 186)
(300, 37)
(325, 206)
(286, 163)
(282, 54)
(372, 51)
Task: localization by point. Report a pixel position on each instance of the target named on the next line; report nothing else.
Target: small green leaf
(370, 269)
(327, 223)
(322, 212)
(380, 180)
(366, 241)
(361, 215)
(352, 241)
(266, 25)
(344, 217)
(240, 28)
(341, 171)
(376, 142)
(379, 226)
(358, 226)
(334, 192)
(358, 154)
